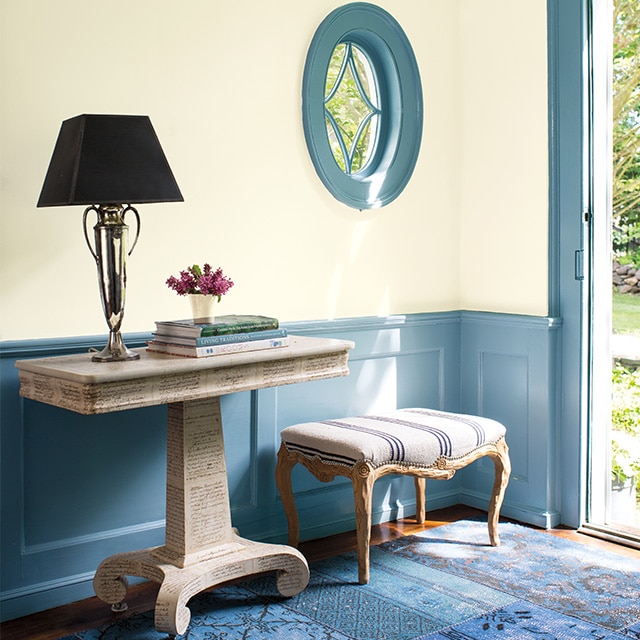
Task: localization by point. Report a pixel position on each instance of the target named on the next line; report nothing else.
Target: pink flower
(205, 281)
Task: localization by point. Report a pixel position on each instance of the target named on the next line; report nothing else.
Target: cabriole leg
(363, 479)
(502, 465)
(421, 499)
(286, 462)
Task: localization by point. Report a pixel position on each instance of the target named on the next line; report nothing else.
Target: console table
(201, 547)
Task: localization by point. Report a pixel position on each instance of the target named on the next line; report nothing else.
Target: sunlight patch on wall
(380, 375)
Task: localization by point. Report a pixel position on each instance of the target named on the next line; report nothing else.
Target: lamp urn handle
(135, 213)
(84, 228)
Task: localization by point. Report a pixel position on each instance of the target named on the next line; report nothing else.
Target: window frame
(383, 41)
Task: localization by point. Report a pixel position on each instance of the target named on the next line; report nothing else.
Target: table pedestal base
(202, 549)
(178, 585)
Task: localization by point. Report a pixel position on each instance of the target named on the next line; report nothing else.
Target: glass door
(614, 297)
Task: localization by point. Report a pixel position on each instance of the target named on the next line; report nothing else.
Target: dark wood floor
(55, 623)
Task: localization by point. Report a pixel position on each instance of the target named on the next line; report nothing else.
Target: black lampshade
(108, 159)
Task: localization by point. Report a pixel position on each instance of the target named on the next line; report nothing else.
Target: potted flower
(204, 286)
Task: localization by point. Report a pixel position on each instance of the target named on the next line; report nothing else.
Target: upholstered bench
(418, 442)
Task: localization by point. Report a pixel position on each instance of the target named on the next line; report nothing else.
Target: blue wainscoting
(510, 371)
(75, 489)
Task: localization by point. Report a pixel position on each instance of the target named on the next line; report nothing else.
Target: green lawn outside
(626, 313)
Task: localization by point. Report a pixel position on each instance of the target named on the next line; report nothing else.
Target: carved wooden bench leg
(286, 462)
(421, 499)
(362, 479)
(502, 465)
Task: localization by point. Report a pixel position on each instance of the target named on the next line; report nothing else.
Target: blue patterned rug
(444, 584)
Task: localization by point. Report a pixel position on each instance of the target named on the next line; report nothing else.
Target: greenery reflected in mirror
(351, 108)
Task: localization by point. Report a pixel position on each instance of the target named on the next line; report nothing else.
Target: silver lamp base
(110, 254)
(115, 351)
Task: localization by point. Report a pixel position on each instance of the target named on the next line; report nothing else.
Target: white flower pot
(202, 307)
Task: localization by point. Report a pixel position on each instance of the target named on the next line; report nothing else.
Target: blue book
(230, 338)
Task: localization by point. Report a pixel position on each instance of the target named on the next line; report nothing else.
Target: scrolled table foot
(110, 582)
(111, 587)
(172, 615)
(293, 576)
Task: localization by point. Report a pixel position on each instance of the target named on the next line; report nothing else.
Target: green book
(223, 325)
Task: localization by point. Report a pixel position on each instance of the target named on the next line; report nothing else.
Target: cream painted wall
(503, 156)
(221, 82)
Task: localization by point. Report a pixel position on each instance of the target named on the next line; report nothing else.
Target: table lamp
(109, 162)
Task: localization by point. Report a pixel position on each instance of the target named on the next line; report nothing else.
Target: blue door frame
(568, 37)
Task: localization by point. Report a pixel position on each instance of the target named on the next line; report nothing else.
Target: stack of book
(228, 334)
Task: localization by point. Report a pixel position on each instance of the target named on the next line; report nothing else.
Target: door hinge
(579, 264)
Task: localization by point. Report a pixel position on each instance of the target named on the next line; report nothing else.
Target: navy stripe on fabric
(395, 444)
(446, 446)
(325, 456)
(468, 420)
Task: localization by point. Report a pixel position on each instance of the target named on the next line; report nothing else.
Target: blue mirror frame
(383, 40)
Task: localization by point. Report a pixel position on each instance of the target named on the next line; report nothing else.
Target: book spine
(176, 328)
(221, 339)
(212, 330)
(236, 347)
(217, 349)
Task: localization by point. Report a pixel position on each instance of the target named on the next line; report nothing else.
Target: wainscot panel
(510, 371)
(75, 489)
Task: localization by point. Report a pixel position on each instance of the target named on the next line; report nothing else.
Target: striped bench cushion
(412, 437)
